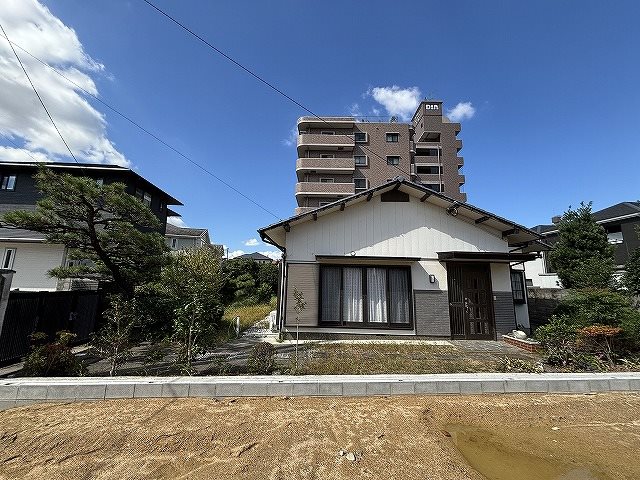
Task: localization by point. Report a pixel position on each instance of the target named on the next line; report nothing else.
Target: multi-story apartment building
(340, 156)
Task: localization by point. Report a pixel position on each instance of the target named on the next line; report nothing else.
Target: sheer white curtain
(398, 296)
(377, 294)
(352, 294)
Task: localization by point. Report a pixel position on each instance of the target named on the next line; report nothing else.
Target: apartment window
(7, 260)
(327, 180)
(436, 187)
(327, 155)
(327, 132)
(7, 182)
(360, 159)
(430, 152)
(360, 137)
(393, 160)
(431, 136)
(365, 296)
(393, 137)
(518, 286)
(429, 169)
(360, 184)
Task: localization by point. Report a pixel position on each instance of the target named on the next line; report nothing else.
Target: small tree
(114, 340)
(111, 231)
(193, 280)
(298, 307)
(631, 278)
(582, 256)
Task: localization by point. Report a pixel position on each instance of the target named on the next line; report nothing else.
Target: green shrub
(52, 359)
(262, 359)
(558, 338)
(517, 365)
(631, 332)
(596, 307)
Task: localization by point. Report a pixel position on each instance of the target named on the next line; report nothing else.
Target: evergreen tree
(582, 256)
(631, 278)
(112, 233)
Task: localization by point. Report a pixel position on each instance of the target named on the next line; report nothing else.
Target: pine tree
(631, 278)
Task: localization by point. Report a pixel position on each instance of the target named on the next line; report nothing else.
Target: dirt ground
(570, 437)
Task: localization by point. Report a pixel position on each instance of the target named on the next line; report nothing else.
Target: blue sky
(553, 85)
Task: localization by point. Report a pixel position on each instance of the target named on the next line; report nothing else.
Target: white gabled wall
(390, 229)
(535, 271)
(32, 262)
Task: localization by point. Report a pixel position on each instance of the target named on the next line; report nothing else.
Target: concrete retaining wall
(17, 392)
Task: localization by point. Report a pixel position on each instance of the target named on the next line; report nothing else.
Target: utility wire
(23, 149)
(145, 130)
(38, 95)
(257, 77)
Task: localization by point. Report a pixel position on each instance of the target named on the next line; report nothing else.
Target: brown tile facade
(426, 150)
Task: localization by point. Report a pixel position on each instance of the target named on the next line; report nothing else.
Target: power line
(145, 130)
(38, 95)
(256, 76)
(23, 149)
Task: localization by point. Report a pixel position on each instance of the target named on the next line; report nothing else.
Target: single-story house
(401, 259)
(255, 257)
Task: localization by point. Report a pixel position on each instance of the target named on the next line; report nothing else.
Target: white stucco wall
(183, 242)
(32, 261)
(536, 273)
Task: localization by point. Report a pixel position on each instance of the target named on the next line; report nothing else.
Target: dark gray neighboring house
(256, 257)
(620, 221)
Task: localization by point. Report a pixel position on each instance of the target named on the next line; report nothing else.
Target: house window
(360, 159)
(518, 286)
(146, 199)
(360, 184)
(548, 267)
(614, 234)
(100, 181)
(327, 155)
(371, 296)
(7, 260)
(393, 160)
(360, 137)
(139, 193)
(436, 187)
(393, 137)
(174, 243)
(327, 180)
(7, 182)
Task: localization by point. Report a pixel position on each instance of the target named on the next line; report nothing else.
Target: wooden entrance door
(470, 305)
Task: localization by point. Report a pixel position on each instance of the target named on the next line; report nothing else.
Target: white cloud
(33, 27)
(401, 102)
(236, 253)
(354, 110)
(292, 139)
(177, 221)
(252, 242)
(462, 111)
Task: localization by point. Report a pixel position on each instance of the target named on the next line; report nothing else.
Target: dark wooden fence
(48, 312)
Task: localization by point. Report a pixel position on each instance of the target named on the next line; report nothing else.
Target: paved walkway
(17, 392)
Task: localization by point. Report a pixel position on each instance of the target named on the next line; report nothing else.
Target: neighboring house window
(8, 182)
(360, 137)
(360, 159)
(517, 286)
(100, 181)
(393, 137)
(548, 267)
(365, 296)
(327, 180)
(393, 160)
(139, 193)
(161, 205)
(614, 234)
(360, 184)
(174, 243)
(146, 199)
(7, 260)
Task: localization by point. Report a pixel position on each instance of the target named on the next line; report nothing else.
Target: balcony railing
(325, 189)
(327, 165)
(326, 141)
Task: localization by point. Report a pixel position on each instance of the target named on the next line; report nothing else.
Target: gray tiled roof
(188, 232)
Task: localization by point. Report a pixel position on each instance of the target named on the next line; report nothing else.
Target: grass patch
(369, 359)
(249, 314)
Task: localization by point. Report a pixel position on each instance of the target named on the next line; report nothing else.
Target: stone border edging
(25, 391)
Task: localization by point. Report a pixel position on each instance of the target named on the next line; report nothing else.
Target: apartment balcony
(458, 144)
(426, 160)
(319, 141)
(425, 145)
(429, 178)
(325, 165)
(322, 189)
(460, 161)
(461, 179)
(326, 122)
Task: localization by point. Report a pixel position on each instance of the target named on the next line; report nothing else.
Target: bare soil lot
(404, 437)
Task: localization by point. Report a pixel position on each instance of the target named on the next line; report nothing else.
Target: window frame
(8, 176)
(327, 180)
(366, 137)
(522, 290)
(394, 156)
(366, 160)
(360, 189)
(12, 258)
(365, 313)
(327, 132)
(327, 155)
(395, 135)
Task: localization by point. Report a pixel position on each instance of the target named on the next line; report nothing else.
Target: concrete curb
(25, 391)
